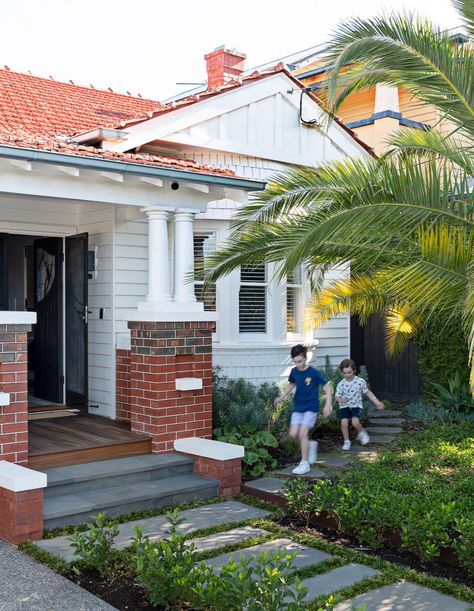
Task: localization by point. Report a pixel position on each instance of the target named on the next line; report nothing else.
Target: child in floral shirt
(349, 396)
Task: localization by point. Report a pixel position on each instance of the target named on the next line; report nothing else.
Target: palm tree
(404, 221)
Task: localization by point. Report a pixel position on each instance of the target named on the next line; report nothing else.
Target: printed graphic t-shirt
(307, 388)
(352, 391)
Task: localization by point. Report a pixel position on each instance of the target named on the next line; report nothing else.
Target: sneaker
(346, 446)
(363, 437)
(313, 452)
(302, 468)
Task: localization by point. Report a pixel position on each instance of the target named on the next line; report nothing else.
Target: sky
(147, 46)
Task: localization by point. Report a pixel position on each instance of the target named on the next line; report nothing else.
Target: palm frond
(466, 8)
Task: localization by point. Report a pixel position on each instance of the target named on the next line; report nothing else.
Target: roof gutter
(135, 169)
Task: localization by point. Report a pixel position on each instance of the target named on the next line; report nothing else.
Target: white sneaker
(313, 452)
(347, 446)
(302, 468)
(363, 437)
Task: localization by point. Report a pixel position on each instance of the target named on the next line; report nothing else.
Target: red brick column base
(216, 460)
(14, 381)
(22, 515)
(161, 353)
(228, 472)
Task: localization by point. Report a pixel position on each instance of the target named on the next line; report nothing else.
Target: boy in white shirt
(349, 396)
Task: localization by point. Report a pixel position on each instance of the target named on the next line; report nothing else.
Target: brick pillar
(161, 353)
(14, 381)
(122, 399)
(21, 503)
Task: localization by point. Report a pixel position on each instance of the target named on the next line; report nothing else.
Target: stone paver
(155, 528)
(273, 485)
(403, 596)
(226, 538)
(313, 474)
(383, 439)
(29, 586)
(337, 579)
(332, 461)
(306, 555)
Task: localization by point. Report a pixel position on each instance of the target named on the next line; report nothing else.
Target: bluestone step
(389, 430)
(384, 413)
(314, 473)
(271, 485)
(383, 439)
(306, 555)
(157, 527)
(118, 472)
(386, 421)
(332, 461)
(337, 579)
(81, 507)
(403, 596)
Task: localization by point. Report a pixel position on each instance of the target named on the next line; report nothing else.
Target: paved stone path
(403, 596)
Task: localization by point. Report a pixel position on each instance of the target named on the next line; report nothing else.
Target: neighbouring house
(106, 202)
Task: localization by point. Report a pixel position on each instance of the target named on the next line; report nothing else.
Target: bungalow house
(106, 202)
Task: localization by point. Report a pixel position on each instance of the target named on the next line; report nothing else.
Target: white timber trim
(17, 318)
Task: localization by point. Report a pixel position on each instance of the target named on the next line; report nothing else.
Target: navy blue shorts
(349, 412)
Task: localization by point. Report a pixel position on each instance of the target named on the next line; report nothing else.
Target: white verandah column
(158, 256)
(184, 257)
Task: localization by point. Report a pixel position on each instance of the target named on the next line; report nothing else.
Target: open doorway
(48, 275)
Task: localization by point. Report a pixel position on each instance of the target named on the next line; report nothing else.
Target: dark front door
(76, 319)
(48, 304)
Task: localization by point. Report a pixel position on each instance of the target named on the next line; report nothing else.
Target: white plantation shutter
(253, 299)
(294, 287)
(204, 245)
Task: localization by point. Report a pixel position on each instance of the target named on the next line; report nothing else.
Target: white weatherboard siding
(98, 224)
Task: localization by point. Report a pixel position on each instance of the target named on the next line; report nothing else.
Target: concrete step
(306, 555)
(384, 413)
(118, 500)
(337, 579)
(103, 474)
(385, 421)
(389, 430)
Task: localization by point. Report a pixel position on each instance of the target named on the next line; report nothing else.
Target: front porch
(82, 438)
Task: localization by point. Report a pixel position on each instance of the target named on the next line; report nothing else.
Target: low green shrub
(169, 572)
(427, 413)
(257, 459)
(237, 401)
(94, 547)
(422, 488)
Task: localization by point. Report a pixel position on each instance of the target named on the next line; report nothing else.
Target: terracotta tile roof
(38, 113)
(60, 145)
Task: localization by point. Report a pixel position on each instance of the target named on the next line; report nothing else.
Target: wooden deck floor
(79, 439)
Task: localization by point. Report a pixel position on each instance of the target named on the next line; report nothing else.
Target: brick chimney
(222, 66)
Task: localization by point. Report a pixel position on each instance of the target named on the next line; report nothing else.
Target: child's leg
(294, 431)
(304, 441)
(357, 425)
(345, 428)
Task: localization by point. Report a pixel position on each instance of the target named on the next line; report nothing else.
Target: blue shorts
(349, 412)
(306, 418)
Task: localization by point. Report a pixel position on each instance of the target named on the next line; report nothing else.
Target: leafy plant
(257, 459)
(164, 568)
(263, 582)
(95, 546)
(457, 395)
(237, 401)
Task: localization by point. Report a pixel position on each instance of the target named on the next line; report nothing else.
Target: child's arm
(378, 404)
(328, 405)
(341, 401)
(285, 393)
